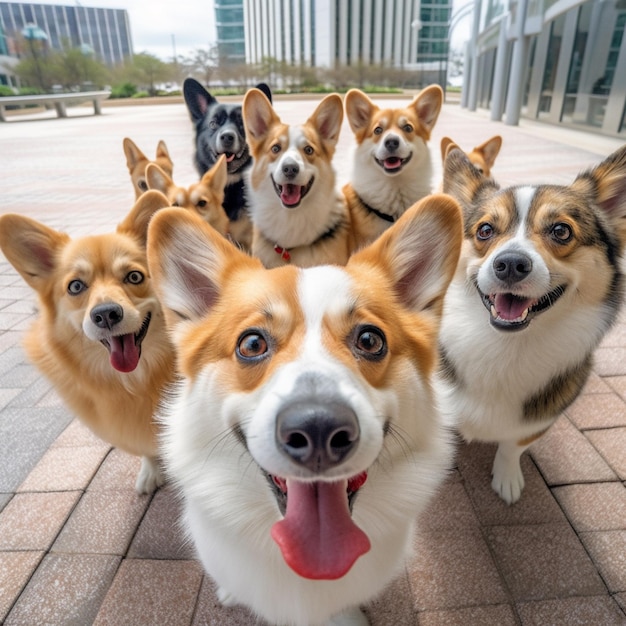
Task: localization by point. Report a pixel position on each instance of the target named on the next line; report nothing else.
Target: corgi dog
(298, 214)
(538, 285)
(205, 197)
(137, 162)
(482, 157)
(302, 490)
(392, 166)
(99, 337)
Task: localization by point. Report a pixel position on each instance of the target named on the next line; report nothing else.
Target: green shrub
(5, 90)
(125, 90)
(141, 94)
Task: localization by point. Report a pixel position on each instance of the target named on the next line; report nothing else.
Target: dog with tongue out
(303, 436)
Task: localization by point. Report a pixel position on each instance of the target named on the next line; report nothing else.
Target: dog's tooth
(494, 313)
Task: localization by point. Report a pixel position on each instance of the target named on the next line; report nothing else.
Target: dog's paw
(226, 598)
(508, 480)
(150, 476)
(351, 617)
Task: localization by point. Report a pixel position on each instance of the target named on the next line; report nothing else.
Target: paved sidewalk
(78, 546)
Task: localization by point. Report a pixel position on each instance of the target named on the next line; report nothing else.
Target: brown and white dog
(482, 157)
(99, 336)
(297, 213)
(538, 285)
(302, 489)
(392, 166)
(137, 162)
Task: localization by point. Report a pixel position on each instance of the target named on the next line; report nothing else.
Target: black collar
(371, 209)
(285, 253)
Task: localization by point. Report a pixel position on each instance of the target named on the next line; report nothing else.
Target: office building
(229, 24)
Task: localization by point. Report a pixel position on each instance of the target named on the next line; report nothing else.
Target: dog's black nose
(107, 315)
(511, 267)
(392, 143)
(227, 138)
(317, 435)
(290, 169)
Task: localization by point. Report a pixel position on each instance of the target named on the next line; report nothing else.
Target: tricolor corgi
(99, 336)
(538, 285)
(304, 435)
(137, 162)
(392, 166)
(482, 157)
(297, 213)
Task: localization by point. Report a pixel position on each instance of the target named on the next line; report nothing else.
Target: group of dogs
(298, 357)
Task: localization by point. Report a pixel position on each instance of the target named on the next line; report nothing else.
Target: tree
(202, 64)
(148, 70)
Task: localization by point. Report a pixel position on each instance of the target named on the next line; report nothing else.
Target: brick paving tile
(611, 444)
(584, 611)
(600, 506)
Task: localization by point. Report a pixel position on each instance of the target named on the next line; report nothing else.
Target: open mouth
(125, 350)
(317, 536)
(393, 164)
(291, 195)
(511, 312)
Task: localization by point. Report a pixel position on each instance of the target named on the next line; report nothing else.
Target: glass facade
(229, 23)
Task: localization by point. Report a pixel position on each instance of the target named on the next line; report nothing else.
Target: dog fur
(315, 381)
(298, 214)
(137, 162)
(482, 157)
(392, 166)
(96, 291)
(538, 285)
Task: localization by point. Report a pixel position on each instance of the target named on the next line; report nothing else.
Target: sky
(167, 27)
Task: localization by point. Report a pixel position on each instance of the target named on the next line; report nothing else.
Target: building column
(472, 97)
(500, 72)
(518, 63)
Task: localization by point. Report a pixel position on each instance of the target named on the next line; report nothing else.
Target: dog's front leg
(508, 480)
(150, 476)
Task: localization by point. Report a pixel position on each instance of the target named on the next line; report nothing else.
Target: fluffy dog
(298, 215)
(137, 162)
(538, 285)
(304, 436)
(99, 336)
(219, 130)
(392, 167)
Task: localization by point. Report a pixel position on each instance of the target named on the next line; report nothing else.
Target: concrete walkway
(78, 546)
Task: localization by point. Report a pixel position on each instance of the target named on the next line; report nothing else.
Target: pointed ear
(327, 119)
(133, 154)
(264, 87)
(31, 248)
(158, 179)
(162, 152)
(490, 150)
(420, 252)
(136, 222)
(427, 105)
(217, 177)
(445, 142)
(461, 179)
(359, 111)
(197, 98)
(258, 117)
(187, 260)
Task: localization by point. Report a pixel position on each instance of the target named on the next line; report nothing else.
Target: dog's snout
(227, 138)
(290, 169)
(392, 143)
(511, 267)
(317, 435)
(107, 315)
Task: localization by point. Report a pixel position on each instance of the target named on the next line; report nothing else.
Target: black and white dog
(219, 130)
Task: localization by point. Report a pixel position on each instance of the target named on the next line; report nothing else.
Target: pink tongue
(317, 536)
(392, 163)
(124, 353)
(229, 157)
(510, 307)
(290, 194)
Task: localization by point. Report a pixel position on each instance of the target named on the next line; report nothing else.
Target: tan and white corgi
(538, 285)
(392, 166)
(298, 214)
(303, 435)
(99, 336)
(137, 162)
(482, 157)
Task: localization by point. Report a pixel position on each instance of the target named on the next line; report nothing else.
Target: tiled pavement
(78, 546)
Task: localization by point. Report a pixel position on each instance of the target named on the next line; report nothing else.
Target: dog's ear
(133, 154)
(197, 98)
(327, 119)
(163, 154)
(462, 180)
(264, 87)
(490, 149)
(359, 111)
(258, 117)
(420, 252)
(427, 105)
(136, 222)
(158, 179)
(217, 177)
(32, 248)
(188, 262)
(446, 142)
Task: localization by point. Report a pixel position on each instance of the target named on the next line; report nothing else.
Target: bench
(60, 101)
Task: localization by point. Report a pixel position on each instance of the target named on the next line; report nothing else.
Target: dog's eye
(252, 346)
(378, 130)
(562, 232)
(479, 169)
(485, 231)
(143, 185)
(201, 203)
(308, 150)
(371, 343)
(75, 287)
(134, 278)
(407, 128)
(276, 148)
(213, 125)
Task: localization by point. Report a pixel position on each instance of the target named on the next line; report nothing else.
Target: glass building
(229, 24)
